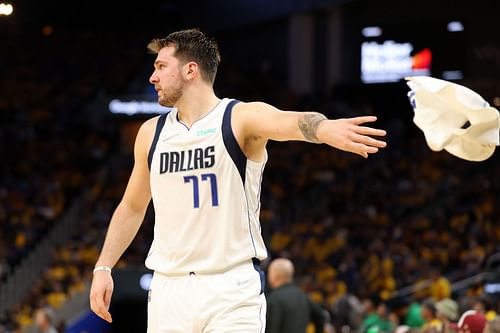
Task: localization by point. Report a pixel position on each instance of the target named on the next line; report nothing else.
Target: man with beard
(202, 164)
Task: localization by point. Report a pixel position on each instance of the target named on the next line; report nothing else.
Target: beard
(170, 97)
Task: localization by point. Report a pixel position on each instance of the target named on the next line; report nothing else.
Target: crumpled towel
(454, 118)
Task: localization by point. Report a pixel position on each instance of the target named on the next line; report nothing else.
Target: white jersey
(206, 196)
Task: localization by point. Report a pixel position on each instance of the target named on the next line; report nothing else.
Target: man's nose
(153, 78)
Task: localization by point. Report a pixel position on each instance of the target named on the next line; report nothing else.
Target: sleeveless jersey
(206, 196)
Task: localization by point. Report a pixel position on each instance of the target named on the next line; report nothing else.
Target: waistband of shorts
(254, 261)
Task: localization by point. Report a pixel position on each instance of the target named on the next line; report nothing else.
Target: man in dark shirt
(289, 310)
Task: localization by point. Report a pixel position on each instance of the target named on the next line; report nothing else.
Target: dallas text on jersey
(184, 160)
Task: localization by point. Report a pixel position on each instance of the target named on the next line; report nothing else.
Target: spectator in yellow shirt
(440, 286)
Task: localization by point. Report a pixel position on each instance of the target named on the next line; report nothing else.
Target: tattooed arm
(255, 123)
(309, 124)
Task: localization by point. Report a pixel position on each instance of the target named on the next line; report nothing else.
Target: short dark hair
(192, 45)
(431, 306)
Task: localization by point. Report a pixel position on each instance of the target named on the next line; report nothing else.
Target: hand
(349, 135)
(100, 294)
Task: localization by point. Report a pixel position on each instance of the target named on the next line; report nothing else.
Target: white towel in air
(454, 118)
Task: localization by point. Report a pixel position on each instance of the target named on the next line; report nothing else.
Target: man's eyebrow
(157, 62)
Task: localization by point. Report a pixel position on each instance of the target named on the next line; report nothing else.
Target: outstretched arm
(124, 224)
(258, 122)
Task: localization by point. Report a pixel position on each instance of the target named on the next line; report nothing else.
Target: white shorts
(232, 301)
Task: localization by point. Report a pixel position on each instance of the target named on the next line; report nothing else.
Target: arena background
(402, 228)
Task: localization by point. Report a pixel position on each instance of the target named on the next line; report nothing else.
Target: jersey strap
(232, 146)
(159, 127)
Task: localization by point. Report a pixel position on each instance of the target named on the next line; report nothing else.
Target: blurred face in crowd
(273, 278)
(427, 313)
(280, 272)
(382, 310)
(168, 77)
(41, 320)
(479, 307)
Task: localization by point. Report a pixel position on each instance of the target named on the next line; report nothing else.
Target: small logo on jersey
(204, 132)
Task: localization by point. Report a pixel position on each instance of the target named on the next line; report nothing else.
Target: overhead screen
(391, 52)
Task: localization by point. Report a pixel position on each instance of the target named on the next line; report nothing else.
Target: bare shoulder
(245, 107)
(252, 113)
(248, 105)
(150, 124)
(146, 132)
(148, 127)
(244, 117)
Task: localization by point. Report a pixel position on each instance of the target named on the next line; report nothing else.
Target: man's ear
(191, 70)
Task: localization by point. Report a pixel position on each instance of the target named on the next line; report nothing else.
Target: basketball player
(202, 165)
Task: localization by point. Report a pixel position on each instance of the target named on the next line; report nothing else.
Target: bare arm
(309, 124)
(125, 222)
(129, 213)
(257, 122)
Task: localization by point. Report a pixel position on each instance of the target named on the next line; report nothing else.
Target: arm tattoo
(308, 125)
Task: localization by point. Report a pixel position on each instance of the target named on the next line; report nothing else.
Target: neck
(195, 103)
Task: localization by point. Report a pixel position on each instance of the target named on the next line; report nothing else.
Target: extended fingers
(369, 141)
(370, 131)
(364, 145)
(361, 149)
(363, 119)
(348, 135)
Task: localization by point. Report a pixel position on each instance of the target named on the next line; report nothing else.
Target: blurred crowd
(375, 226)
(46, 145)
(50, 151)
(357, 230)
